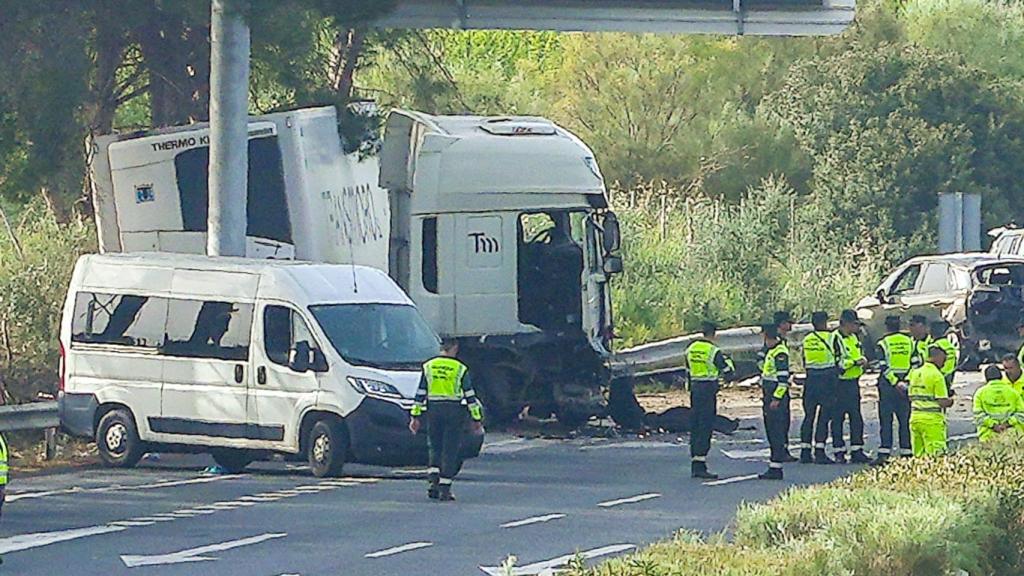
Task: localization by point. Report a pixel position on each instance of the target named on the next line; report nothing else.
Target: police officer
(821, 356)
(775, 400)
(939, 336)
(919, 332)
(444, 387)
(851, 365)
(929, 399)
(783, 319)
(896, 349)
(706, 365)
(997, 406)
(1014, 376)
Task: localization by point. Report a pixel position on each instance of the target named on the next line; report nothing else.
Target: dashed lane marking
(194, 554)
(747, 454)
(399, 549)
(28, 541)
(630, 500)
(533, 520)
(14, 497)
(548, 566)
(731, 480)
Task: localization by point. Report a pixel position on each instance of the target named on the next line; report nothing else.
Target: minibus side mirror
(319, 361)
(300, 357)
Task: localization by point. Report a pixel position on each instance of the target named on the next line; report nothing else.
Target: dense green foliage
(963, 513)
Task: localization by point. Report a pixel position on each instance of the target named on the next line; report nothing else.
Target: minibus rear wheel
(117, 439)
(327, 446)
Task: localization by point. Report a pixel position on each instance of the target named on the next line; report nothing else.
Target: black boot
(859, 457)
(771, 474)
(880, 460)
(700, 470)
(839, 457)
(787, 457)
(445, 493)
(432, 490)
(805, 456)
(821, 458)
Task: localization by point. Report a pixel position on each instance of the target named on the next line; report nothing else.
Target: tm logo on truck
(482, 243)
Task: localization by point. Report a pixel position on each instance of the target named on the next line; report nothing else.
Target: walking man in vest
(896, 350)
(929, 399)
(707, 365)
(851, 365)
(444, 386)
(775, 400)
(821, 356)
(938, 336)
(997, 406)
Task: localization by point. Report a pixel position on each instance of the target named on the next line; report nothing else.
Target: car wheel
(117, 439)
(234, 461)
(326, 447)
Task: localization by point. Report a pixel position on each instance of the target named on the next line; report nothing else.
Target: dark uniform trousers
(847, 406)
(704, 407)
(446, 424)
(776, 422)
(818, 402)
(892, 402)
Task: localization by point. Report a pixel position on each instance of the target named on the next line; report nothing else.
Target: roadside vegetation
(750, 173)
(961, 514)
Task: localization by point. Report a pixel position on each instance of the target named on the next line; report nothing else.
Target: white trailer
(497, 228)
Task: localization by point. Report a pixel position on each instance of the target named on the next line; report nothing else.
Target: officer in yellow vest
(929, 399)
(775, 400)
(444, 387)
(783, 320)
(851, 365)
(897, 351)
(939, 336)
(997, 406)
(821, 359)
(1014, 376)
(922, 340)
(707, 365)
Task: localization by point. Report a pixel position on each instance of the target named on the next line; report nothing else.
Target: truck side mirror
(612, 234)
(613, 265)
(300, 360)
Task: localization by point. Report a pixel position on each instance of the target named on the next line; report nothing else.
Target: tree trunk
(350, 54)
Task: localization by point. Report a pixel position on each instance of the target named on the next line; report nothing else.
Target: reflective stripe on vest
(818, 352)
(921, 394)
(700, 360)
(444, 379)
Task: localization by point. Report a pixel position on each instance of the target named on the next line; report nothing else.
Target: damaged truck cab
(497, 228)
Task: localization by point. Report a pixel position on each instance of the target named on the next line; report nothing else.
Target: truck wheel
(495, 391)
(117, 439)
(234, 461)
(327, 446)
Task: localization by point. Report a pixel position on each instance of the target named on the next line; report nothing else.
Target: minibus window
(282, 330)
(198, 329)
(118, 319)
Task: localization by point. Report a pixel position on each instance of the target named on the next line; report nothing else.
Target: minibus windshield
(385, 336)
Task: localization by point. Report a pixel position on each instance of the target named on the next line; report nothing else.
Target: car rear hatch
(995, 303)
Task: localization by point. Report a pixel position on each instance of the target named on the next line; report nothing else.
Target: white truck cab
(242, 358)
(497, 228)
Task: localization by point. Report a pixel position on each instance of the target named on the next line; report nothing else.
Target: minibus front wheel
(117, 439)
(327, 447)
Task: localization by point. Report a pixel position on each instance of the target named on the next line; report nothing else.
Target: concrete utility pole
(229, 128)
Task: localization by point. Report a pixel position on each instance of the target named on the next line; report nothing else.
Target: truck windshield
(384, 336)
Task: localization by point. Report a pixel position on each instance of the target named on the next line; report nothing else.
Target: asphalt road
(540, 500)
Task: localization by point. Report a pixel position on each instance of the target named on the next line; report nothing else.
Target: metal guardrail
(668, 356)
(32, 416)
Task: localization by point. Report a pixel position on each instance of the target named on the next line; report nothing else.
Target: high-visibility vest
(853, 353)
(4, 470)
(444, 377)
(898, 349)
(927, 386)
(818, 350)
(770, 372)
(700, 360)
(997, 403)
(949, 366)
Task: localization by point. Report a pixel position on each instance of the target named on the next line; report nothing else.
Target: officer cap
(782, 317)
(770, 330)
(918, 319)
(849, 317)
(893, 322)
(992, 372)
(819, 317)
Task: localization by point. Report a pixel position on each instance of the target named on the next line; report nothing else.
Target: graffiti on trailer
(354, 215)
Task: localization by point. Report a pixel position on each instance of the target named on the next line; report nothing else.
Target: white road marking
(131, 523)
(731, 480)
(151, 519)
(533, 520)
(515, 445)
(631, 444)
(409, 472)
(118, 488)
(747, 454)
(27, 541)
(630, 500)
(548, 566)
(259, 499)
(964, 436)
(399, 549)
(194, 554)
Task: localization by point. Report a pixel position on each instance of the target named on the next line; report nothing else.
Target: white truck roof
(303, 283)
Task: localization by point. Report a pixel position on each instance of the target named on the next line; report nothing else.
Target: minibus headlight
(374, 387)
